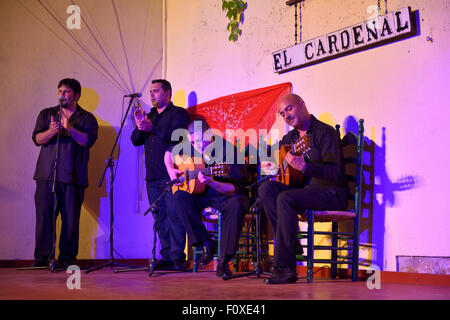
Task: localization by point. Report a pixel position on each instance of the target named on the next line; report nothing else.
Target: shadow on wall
(179, 99)
(99, 153)
(192, 99)
(379, 191)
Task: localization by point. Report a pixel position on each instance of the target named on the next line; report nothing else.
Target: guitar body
(185, 163)
(287, 174)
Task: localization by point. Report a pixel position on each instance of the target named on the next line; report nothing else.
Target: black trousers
(282, 204)
(172, 236)
(69, 200)
(189, 208)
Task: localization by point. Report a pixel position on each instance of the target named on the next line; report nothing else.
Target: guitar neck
(194, 173)
(297, 151)
(301, 146)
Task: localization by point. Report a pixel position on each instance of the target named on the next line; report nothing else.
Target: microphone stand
(154, 210)
(51, 265)
(256, 210)
(110, 164)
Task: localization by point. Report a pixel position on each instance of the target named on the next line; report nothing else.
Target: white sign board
(357, 37)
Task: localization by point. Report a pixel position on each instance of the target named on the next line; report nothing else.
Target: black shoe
(282, 275)
(209, 250)
(40, 263)
(65, 262)
(223, 270)
(163, 264)
(179, 265)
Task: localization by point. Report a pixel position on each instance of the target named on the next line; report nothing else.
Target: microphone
(153, 208)
(60, 106)
(134, 95)
(268, 177)
(257, 183)
(175, 181)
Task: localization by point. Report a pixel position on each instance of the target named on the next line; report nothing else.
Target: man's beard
(67, 105)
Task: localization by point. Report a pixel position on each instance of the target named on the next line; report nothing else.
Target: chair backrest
(352, 147)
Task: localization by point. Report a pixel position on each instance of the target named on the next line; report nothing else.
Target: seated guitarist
(222, 193)
(324, 186)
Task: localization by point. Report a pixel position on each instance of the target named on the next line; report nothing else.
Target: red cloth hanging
(254, 109)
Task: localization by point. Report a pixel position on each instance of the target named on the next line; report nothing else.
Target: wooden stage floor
(204, 285)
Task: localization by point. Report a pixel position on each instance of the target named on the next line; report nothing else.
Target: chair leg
(355, 258)
(334, 244)
(258, 238)
(219, 233)
(310, 262)
(195, 263)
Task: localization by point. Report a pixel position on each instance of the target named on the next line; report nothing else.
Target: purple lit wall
(400, 89)
(116, 50)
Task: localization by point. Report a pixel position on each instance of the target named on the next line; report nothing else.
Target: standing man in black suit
(78, 132)
(154, 131)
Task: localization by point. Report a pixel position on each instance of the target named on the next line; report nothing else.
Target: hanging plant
(234, 10)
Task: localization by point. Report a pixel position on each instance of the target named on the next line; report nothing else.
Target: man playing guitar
(323, 187)
(224, 192)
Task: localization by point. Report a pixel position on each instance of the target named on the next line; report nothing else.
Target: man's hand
(296, 162)
(174, 174)
(54, 126)
(143, 123)
(65, 122)
(204, 179)
(222, 187)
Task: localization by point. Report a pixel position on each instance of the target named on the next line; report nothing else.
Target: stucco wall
(399, 89)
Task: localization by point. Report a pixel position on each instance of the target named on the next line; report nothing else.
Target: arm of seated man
(296, 162)
(223, 187)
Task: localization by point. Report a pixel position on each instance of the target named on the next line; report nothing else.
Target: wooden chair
(214, 217)
(352, 147)
(252, 245)
(250, 241)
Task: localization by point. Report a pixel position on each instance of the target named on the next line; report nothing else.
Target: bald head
(293, 110)
(291, 98)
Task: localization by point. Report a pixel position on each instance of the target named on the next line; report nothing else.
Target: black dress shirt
(324, 160)
(158, 140)
(72, 158)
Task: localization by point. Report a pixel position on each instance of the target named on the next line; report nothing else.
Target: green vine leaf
(234, 12)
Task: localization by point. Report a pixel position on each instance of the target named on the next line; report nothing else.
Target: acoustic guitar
(288, 175)
(191, 167)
